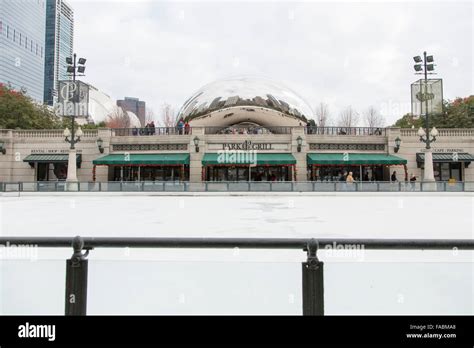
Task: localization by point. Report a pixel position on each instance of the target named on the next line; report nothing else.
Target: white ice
(156, 281)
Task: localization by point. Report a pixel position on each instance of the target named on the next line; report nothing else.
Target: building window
(36, 49)
(8, 32)
(20, 38)
(41, 51)
(14, 35)
(26, 42)
(1, 27)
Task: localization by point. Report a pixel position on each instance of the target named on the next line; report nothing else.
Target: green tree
(95, 126)
(19, 111)
(409, 121)
(458, 113)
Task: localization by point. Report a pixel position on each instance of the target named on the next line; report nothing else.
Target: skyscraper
(22, 49)
(134, 105)
(59, 45)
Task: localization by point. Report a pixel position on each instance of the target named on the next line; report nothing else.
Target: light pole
(72, 136)
(427, 136)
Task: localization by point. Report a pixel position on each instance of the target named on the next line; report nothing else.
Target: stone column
(301, 163)
(71, 179)
(392, 134)
(195, 161)
(102, 172)
(7, 159)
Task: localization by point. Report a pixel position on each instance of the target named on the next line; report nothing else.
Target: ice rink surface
(131, 281)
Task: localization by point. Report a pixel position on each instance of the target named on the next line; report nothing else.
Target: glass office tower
(22, 48)
(59, 45)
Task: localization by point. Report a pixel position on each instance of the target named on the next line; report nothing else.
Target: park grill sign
(247, 145)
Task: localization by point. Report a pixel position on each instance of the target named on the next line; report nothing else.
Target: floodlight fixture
(417, 67)
(417, 59)
(82, 61)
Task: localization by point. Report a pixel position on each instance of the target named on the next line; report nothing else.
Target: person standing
(350, 178)
(152, 128)
(394, 176)
(187, 128)
(180, 126)
(412, 181)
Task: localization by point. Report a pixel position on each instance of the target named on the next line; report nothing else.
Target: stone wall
(21, 143)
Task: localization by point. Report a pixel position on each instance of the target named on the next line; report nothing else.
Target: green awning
(353, 159)
(143, 159)
(245, 158)
(50, 158)
(447, 157)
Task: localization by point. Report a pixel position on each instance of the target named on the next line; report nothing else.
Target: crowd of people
(244, 130)
(182, 127)
(314, 129)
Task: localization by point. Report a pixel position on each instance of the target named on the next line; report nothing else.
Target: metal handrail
(312, 269)
(151, 131)
(238, 186)
(247, 130)
(349, 131)
(243, 243)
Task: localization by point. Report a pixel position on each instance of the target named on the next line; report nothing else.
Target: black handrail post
(313, 281)
(76, 280)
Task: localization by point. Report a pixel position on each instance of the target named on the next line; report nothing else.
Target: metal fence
(247, 130)
(358, 131)
(312, 269)
(236, 186)
(151, 131)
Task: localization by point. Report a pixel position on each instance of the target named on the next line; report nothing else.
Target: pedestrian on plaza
(366, 176)
(350, 178)
(412, 181)
(394, 176)
(187, 128)
(152, 127)
(180, 126)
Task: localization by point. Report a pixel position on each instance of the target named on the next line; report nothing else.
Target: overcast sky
(343, 53)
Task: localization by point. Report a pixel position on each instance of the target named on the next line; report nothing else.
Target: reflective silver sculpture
(245, 99)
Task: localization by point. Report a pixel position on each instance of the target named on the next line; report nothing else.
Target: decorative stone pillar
(195, 161)
(301, 162)
(102, 172)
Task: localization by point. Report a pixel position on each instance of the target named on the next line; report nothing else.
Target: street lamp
(2, 147)
(299, 142)
(99, 145)
(72, 136)
(77, 136)
(196, 143)
(398, 142)
(426, 135)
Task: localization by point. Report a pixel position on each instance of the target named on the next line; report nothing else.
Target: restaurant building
(237, 130)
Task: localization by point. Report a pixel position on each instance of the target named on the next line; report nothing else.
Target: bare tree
(118, 118)
(323, 118)
(373, 118)
(168, 117)
(150, 115)
(348, 118)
